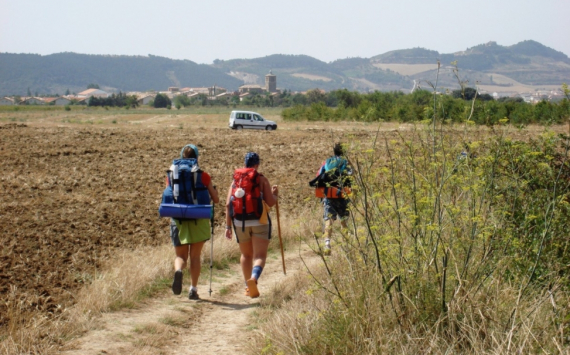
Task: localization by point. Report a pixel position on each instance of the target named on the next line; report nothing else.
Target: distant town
(145, 98)
(218, 92)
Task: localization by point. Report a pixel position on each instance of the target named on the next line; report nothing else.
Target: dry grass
(298, 316)
(126, 279)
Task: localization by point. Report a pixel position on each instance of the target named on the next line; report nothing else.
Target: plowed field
(77, 187)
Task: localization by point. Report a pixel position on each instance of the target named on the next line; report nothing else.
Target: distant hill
(521, 65)
(301, 72)
(408, 56)
(57, 73)
(527, 62)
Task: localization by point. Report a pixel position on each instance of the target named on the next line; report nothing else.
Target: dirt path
(216, 324)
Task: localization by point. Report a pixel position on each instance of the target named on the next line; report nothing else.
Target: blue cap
(193, 148)
(251, 160)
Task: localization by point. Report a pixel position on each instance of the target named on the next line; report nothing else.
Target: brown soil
(73, 194)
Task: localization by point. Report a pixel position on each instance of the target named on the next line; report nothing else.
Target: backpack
(191, 190)
(332, 179)
(250, 205)
(192, 200)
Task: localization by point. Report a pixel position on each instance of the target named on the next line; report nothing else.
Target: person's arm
(228, 217)
(269, 192)
(213, 193)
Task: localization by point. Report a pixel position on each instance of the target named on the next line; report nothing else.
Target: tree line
(344, 105)
(115, 100)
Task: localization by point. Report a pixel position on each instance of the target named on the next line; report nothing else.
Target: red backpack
(249, 206)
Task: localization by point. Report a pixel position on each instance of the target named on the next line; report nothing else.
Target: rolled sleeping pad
(174, 210)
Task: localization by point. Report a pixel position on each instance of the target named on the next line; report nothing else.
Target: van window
(257, 118)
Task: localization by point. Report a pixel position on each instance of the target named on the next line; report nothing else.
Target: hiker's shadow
(232, 306)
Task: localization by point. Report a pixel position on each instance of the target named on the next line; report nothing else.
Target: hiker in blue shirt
(337, 170)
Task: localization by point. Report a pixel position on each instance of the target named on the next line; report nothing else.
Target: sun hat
(194, 148)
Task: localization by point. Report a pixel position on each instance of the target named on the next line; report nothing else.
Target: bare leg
(181, 257)
(246, 260)
(195, 262)
(260, 246)
(179, 264)
(328, 228)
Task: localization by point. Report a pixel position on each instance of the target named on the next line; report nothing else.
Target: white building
(145, 99)
(6, 101)
(58, 101)
(32, 101)
(93, 92)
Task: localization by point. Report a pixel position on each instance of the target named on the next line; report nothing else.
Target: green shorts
(189, 232)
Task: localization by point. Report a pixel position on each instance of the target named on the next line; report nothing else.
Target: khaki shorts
(262, 231)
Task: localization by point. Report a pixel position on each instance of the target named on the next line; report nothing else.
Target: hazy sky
(202, 31)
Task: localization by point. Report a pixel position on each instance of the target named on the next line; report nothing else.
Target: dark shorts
(335, 208)
(174, 234)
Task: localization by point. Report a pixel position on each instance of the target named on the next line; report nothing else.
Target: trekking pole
(279, 233)
(211, 246)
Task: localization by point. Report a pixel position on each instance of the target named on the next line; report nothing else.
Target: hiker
(335, 174)
(189, 236)
(247, 210)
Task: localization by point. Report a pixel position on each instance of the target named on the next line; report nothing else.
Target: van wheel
(268, 128)
(239, 128)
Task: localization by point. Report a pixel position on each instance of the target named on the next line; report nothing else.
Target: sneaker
(252, 286)
(327, 250)
(193, 294)
(247, 291)
(177, 283)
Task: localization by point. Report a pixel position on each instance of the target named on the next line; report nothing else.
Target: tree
(93, 86)
(315, 96)
(131, 101)
(162, 101)
(181, 100)
(466, 94)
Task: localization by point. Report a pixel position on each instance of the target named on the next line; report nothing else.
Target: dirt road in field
(218, 324)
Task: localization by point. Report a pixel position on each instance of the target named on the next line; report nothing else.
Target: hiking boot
(327, 250)
(177, 283)
(193, 294)
(252, 286)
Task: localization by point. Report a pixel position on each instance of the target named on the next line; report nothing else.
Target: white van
(248, 119)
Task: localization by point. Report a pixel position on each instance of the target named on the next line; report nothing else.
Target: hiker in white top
(249, 198)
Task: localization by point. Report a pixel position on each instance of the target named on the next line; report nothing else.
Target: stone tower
(271, 82)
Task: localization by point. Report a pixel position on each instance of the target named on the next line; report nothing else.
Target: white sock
(327, 242)
(192, 288)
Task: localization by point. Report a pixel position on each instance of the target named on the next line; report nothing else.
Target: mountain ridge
(527, 62)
